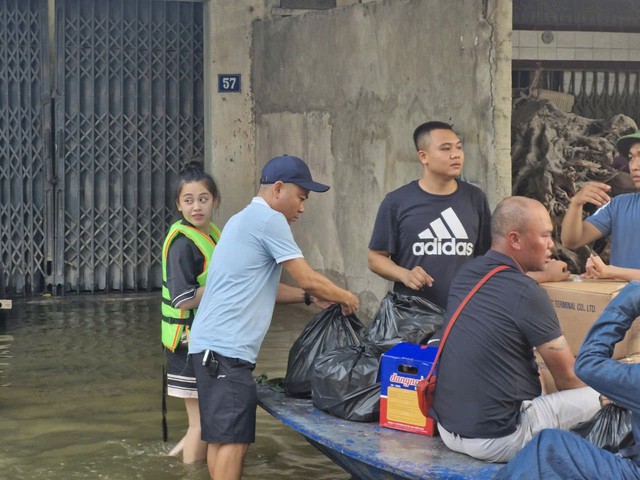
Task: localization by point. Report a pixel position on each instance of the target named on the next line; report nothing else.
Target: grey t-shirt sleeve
(537, 320)
(184, 264)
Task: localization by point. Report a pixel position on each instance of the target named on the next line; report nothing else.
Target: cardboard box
(549, 385)
(578, 304)
(401, 368)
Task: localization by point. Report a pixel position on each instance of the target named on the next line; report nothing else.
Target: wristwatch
(307, 298)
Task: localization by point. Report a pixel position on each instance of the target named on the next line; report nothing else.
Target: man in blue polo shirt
(488, 400)
(235, 311)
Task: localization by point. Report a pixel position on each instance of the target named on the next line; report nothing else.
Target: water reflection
(80, 396)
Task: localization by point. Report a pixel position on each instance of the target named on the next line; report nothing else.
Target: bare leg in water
(191, 445)
(177, 450)
(225, 461)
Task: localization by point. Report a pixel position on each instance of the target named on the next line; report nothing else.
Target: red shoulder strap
(455, 315)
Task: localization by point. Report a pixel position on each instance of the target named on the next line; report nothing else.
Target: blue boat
(368, 451)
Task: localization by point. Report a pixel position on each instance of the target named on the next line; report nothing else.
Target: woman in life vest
(186, 255)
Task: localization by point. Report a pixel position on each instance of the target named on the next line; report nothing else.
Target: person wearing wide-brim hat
(617, 219)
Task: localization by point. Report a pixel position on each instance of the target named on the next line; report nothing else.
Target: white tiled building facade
(562, 45)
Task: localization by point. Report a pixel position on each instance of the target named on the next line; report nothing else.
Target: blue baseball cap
(289, 169)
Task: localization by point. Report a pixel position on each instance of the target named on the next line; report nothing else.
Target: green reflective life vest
(175, 320)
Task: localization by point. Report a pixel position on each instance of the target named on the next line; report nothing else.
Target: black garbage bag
(329, 330)
(405, 318)
(344, 382)
(609, 428)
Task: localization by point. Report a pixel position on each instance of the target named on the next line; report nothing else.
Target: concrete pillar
(229, 118)
(498, 174)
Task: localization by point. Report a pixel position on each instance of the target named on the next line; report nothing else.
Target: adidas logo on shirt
(444, 236)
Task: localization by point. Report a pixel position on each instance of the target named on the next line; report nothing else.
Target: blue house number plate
(228, 82)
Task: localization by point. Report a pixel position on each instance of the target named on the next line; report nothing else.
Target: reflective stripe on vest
(174, 320)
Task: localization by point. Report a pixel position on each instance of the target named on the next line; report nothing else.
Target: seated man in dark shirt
(488, 400)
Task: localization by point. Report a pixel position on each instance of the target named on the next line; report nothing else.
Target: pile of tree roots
(554, 154)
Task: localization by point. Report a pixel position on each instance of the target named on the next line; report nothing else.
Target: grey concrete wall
(344, 89)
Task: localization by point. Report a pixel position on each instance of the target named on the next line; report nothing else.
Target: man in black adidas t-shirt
(426, 230)
(430, 227)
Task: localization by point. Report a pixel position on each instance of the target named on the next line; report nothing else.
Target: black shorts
(181, 380)
(228, 401)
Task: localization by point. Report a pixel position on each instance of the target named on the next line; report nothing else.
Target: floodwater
(80, 395)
